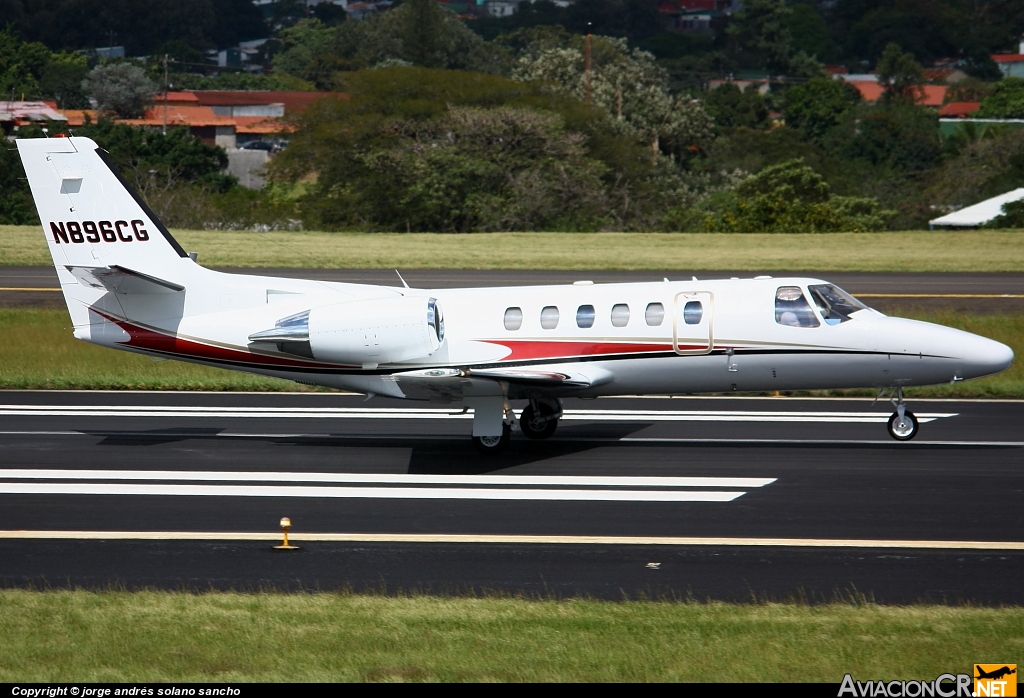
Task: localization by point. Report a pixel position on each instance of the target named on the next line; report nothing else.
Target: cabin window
(513, 319)
(792, 309)
(693, 311)
(549, 317)
(834, 304)
(585, 317)
(655, 314)
(620, 315)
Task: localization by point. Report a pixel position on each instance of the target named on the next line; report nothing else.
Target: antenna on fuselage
(402, 280)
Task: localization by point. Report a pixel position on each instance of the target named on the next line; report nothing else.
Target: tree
(1006, 100)
(121, 88)
(389, 113)
(731, 108)
(810, 34)
(62, 79)
(632, 19)
(791, 197)
(629, 85)
(421, 25)
(507, 168)
(1011, 216)
(899, 74)
(929, 29)
(969, 89)
(314, 52)
(818, 105)
(16, 205)
(21, 66)
(762, 27)
(901, 137)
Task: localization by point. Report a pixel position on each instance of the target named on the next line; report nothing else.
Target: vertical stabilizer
(93, 220)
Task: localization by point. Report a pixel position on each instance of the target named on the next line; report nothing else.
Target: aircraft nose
(985, 356)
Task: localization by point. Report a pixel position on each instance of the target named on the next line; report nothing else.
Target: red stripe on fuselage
(144, 338)
(523, 350)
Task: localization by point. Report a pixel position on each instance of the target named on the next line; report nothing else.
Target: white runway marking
(581, 488)
(514, 494)
(385, 478)
(457, 538)
(397, 438)
(434, 413)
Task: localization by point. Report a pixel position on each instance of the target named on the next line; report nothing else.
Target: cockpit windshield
(792, 309)
(835, 304)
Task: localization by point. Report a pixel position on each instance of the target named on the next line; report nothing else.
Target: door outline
(707, 298)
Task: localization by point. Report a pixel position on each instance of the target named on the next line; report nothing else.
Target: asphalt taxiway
(972, 292)
(726, 498)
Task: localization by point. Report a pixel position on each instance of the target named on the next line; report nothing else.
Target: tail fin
(92, 220)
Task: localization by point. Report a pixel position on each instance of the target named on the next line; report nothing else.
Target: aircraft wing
(118, 279)
(455, 383)
(542, 377)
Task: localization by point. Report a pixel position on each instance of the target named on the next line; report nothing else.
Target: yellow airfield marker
(286, 523)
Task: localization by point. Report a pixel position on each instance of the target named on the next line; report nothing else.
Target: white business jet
(129, 285)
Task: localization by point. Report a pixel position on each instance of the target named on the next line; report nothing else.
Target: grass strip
(39, 352)
(233, 637)
(899, 251)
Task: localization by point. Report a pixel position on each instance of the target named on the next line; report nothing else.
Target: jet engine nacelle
(377, 331)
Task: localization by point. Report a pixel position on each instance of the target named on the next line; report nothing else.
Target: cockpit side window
(835, 304)
(792, 309)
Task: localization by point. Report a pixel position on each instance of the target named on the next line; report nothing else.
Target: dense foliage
(790, 197)
(121, 88)
(141, 26)
(420, 149)
(485, 124)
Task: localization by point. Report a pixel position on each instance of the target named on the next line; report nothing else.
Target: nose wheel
(903, 427)
(902, 423)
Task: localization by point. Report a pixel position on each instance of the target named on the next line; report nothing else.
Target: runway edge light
(286, 523)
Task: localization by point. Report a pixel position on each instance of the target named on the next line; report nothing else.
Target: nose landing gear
(902, 423)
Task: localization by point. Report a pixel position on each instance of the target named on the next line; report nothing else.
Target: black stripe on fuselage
(352, 371)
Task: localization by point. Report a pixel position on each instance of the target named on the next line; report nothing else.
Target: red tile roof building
(927, 95)
(959, 110)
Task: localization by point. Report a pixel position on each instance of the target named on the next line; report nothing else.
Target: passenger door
(693, 320)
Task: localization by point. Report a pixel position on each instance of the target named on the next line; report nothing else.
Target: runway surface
(963, 292)
(706, 497)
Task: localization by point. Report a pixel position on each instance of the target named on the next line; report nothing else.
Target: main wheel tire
(538, 426)
(905, 429)
(492, 445)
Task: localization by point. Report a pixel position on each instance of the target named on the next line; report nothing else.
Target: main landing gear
(494, 444)
(902, 423)
(540, 419)
(493, 420)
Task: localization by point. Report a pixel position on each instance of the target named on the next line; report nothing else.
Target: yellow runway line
(27, 288)
(518, 540)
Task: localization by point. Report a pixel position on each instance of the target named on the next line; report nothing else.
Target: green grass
(39, 352)
(903, 251)
(230, 637)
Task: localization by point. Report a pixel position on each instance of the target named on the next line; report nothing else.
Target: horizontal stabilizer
(118, 279)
